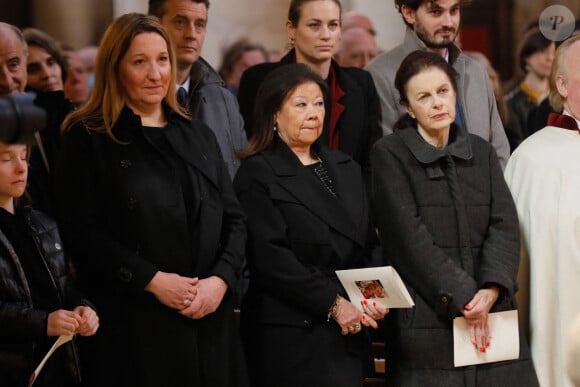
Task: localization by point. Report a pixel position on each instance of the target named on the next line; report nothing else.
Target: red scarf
(336, 109)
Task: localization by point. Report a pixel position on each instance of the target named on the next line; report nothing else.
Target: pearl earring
(275, 126)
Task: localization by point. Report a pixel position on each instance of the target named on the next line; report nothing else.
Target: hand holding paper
(503, 329)
(378, 284)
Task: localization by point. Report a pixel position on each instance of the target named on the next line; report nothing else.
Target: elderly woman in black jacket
(448, 224)
(307, 217)
(37, 299)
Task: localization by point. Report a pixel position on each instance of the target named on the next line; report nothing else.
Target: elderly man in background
(13, 52)
(76, 85)
(357, 48)
(543, 177)
(352, 19)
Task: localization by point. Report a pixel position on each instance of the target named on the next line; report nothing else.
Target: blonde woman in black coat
(151, 221)
(448, 224)
(307, 217)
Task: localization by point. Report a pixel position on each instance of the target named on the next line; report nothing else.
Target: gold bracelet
(334, 310)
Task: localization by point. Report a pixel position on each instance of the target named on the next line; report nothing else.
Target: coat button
(57, 246)
(132, 203)
(444, 299)
(125, 163)
(125, 275)
(306, 323)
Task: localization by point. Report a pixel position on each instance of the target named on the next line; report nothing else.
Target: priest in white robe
(544, 177)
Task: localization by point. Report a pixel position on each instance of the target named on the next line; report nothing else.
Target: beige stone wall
(77, 23)
(526, 11)
(81, 22)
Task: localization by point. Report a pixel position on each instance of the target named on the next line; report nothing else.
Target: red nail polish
(482, 349)
(374, 304)
(365, 302)
(467, 306)
(362, 302)
(487, 344)
(362, 317)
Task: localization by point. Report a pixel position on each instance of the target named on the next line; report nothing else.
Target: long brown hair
(108, 98)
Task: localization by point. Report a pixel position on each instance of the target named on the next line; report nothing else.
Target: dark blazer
(358, 125)
(210, 102)
(298, 235)
(44, 153)
(123, 218)
(448, 224)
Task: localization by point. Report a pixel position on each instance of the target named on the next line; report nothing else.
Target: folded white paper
(504, 341)
(60, 341)
(378, 284)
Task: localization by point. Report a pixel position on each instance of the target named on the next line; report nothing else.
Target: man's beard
(430, 42)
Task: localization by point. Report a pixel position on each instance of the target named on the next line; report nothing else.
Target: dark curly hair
(35, 37)
(415, 4)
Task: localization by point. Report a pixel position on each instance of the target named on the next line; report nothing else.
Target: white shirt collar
(185, 84)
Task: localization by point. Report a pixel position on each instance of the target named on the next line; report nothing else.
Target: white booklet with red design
(504, 343)
(377, 284)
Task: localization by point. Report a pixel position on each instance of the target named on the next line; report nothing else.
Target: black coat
(358, 126)
(22, 325)
(298, 235)
(448, 224)
(44, 153)
(123, 218)
(518, 127)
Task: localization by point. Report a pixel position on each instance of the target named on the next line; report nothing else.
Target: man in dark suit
(205, 94)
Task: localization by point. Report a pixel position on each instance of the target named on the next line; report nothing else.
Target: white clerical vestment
(544, 177)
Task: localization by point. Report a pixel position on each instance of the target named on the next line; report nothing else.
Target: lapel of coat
(185, 136)
(343, 213)
(188, 141)
(353, 101)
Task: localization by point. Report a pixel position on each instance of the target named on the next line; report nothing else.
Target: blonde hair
(108, 97)
(559, 69)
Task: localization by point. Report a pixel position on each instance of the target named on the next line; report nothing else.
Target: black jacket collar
(458, 146)
(343, 213)
(185, 137)
(428, 155)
